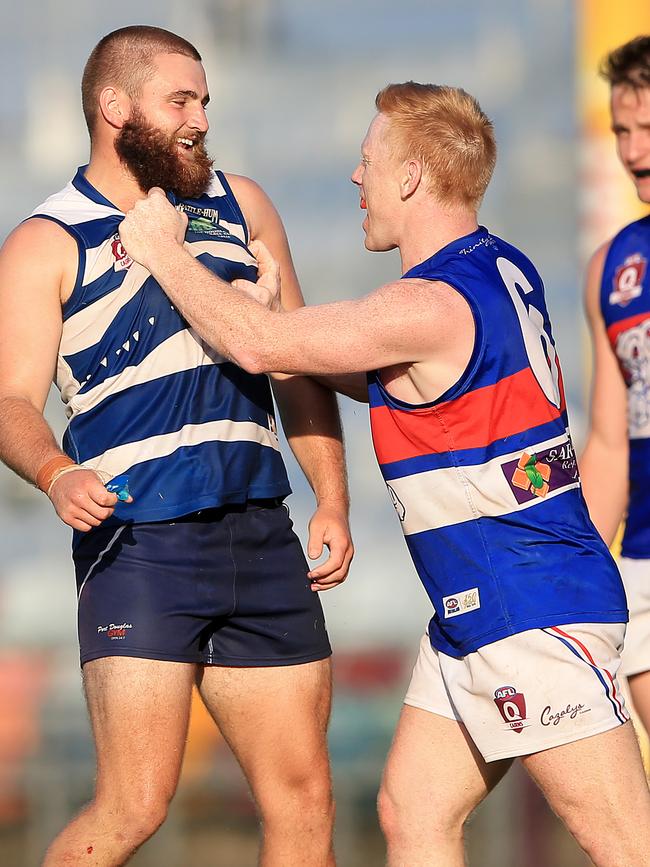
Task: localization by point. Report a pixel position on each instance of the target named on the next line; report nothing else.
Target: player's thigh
(139, 711)
(434, 773)
(274, 718)
(596, 782)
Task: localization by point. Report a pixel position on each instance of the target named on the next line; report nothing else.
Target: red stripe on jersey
(514, 404)
(617, 328)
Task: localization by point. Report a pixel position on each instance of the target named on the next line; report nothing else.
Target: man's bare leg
(275, 720)
(434, 778)
(598, 788)
(139, 711)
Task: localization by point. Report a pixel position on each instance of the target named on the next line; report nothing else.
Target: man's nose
(199, 120)
(355, 177)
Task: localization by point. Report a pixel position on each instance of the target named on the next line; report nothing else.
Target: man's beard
(152, 158)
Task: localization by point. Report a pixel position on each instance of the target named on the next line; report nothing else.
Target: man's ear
(411, 177)
(115, 106)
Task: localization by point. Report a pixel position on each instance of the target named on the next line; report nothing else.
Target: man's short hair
(629, 64)
(445, 128)
(125, 58)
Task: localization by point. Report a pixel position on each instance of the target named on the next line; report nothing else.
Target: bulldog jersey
(146, 398)
(484, 479)
(625, 305)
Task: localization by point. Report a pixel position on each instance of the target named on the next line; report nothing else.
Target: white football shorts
(527, 692)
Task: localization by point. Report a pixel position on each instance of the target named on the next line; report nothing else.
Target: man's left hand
(267, 290)
(329, 527)
(151, 226)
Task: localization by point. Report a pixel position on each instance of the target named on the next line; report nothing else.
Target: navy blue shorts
(224, 586)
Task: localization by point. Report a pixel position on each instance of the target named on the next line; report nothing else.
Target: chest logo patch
(536, 473)
(203, 221)
(628, 280)
(121, 257)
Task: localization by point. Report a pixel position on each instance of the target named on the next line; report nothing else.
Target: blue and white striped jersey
(145, 396)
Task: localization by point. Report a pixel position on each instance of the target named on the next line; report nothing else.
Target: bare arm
(308, 410)
(406, 321)
(607, 447)
(30, 331)
(33, 275)
(352, 385)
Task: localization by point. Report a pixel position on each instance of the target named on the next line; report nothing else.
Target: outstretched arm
(402, 322)
(607, 449)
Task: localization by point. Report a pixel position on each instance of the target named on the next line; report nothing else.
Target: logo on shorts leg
(115, 631)
(551, 717)
(512, 707)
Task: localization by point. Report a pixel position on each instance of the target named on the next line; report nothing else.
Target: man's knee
(298, 793)
(135, 819)
(402, 817)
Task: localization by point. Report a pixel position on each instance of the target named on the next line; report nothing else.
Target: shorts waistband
(216, 513)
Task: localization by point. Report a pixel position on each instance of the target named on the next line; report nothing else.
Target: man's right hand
(81, 500)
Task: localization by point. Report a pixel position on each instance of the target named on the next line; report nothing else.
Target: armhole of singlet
(233, 199)
(465, 378)
(74, 301)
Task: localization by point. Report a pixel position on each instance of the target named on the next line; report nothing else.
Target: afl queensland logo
(628, 280)
(512, 707)
(121, 257)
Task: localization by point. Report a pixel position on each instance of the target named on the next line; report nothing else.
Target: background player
(198, 576)
(615, 466)
(470, 430)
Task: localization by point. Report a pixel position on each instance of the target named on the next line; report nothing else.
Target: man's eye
(179, 101)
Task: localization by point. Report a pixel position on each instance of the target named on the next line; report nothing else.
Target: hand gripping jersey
(625, 305)
(484, 479)
(145, 397)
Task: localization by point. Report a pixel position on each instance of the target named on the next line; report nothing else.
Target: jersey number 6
(539, 346)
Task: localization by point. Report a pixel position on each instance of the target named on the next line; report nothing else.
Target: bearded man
(170, 474)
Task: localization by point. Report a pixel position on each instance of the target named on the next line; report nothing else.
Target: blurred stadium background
(292, 85)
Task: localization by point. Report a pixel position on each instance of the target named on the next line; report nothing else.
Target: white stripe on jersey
(182, 351)
(436, 499)
(86, 327)
(119, 459)
(72, 207)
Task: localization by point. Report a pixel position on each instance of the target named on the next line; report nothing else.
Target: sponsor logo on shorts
(628, 280)
(115, 631)
(537, 473)
(122, 258)
(461, 603)
(512, 707)
(551, 717)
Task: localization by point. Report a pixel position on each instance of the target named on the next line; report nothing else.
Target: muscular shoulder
(257, 207)
(38, 236)
(433, 297)
(39, 250)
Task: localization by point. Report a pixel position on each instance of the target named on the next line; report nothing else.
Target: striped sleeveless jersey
(484, 479)
(144, 395)
(625, 305)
